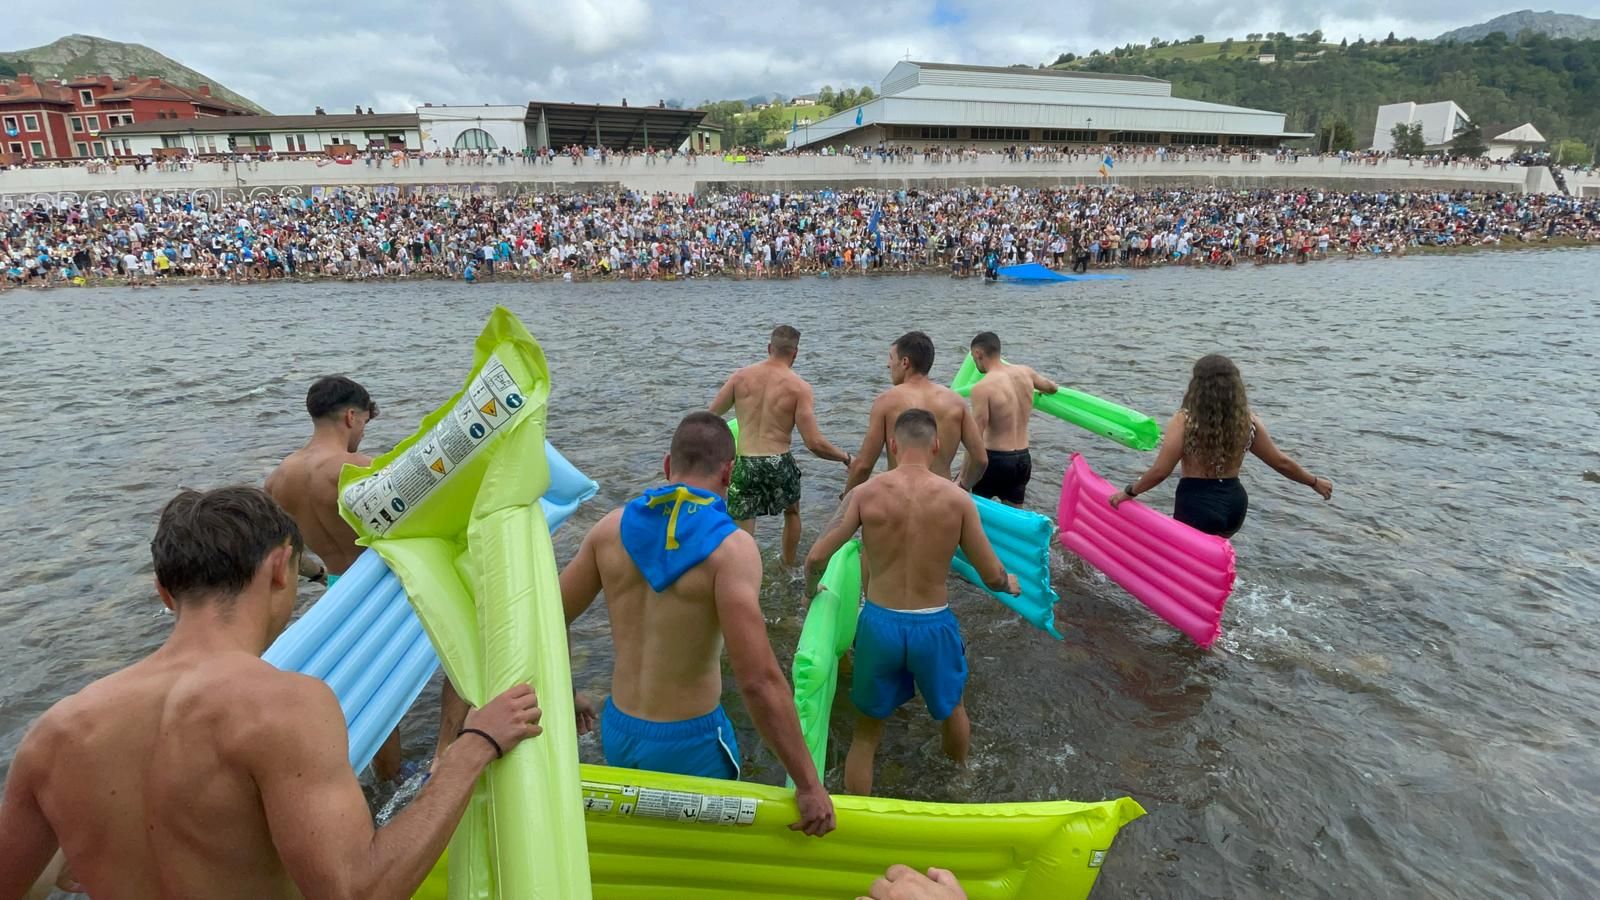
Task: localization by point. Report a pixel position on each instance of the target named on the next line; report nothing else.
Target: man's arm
(979, 414)
(724, 399)
(27, 842)
(1042, 384)
(871, 446)
(805, 418)
(580, 579)
(846, 520)
(977, 458)
(319, 820)
(981, 553)
(766, 692)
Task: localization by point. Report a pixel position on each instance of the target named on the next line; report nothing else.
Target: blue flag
(858, 114)
(795, 125)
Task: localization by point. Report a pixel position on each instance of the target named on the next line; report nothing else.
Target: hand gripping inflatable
(1183, 575)
(452, 511)
(1022, 541)
(653, 835)
(1119, 423)
(829, 630)
(363, 638)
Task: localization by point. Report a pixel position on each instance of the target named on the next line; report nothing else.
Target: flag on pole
(858, 114)
(795, 126)
(1106, 165)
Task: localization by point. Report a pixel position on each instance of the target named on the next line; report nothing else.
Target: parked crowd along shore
(352, 234)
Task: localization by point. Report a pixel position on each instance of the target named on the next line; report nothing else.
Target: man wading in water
(202, 771)
(306, 484)
(771, 401)
(1001, 405)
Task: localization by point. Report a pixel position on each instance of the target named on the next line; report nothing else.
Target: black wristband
(1129, 490)
(498, 753)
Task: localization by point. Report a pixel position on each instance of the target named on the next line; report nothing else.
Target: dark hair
(212, 542)
(701, 445)
(988, 342)
(333, 394)
(917, 426)
(786, 339)
(918, 348)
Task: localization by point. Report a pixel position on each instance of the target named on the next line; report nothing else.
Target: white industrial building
(1440, 121)
(943, 103)
(265, 134)
(1522, 139)
(484, 127)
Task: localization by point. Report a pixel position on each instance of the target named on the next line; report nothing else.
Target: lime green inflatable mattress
(1127, 427)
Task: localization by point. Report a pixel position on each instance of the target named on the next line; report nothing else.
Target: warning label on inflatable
(674, 806)
(383, 498)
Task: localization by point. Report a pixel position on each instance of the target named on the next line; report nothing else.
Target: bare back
(139, 788)
(1003, 402)
(306, 485)
(949, 411)
(766, 397)
(668, 645)
(912, 521)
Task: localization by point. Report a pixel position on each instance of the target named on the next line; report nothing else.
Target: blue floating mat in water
(1036, 272)
(363, 638)
(1022, 541)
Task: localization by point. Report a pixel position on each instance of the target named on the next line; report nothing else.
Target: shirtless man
(912, 519)
(306, 484)
(680, 581)
(1001, 404)
(910, 359)
(770, 401)
(202, 771)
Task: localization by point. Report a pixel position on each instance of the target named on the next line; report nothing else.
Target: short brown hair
(210, 543)
(916, 426)
(988, 342)
(918, 348)
(786, 339)
(701, 445)
(331, 395)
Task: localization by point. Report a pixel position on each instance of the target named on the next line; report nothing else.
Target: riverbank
(548, 274)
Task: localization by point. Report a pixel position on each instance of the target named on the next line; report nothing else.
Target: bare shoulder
(737, 550)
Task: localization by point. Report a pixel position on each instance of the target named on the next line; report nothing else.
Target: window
(1249, 140)
(1136, 137)
(999, 134)
(77, 124)
(16, 148)
(30, 123)
(1070, 136)
(127, 147)
(36, 148)
(474, 139)
(94, 122)
(926, 132)
(99, 148)
(301, 140)
(1198, 140)
(83, 149)
(11, 126)
(172, 140)
(86, 98)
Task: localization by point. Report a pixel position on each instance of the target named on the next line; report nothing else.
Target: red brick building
(52, 120)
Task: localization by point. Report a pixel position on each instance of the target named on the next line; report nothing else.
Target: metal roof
(1028, 70)
(957, 93)
(249, 124)
(621, 127)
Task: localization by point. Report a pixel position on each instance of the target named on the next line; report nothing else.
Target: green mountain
(1549, 24)
(82, 54)
(1553, 83)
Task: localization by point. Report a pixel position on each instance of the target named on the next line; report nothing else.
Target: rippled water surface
(1403, 702)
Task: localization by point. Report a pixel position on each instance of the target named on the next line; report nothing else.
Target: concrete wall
(27, 186)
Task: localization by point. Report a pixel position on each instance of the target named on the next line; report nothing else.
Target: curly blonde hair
(1217, 430)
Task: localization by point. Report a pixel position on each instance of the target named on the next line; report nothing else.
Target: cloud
(292, 55)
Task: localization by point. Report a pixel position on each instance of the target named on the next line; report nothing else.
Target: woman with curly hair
(1210, 436)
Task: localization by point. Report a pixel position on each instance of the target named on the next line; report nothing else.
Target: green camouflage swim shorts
(763, 486)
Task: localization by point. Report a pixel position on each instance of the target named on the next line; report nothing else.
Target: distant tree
(1391, 40)
(1314, 37)
(1344, 43)
(1065, 58)
(1267, 47)
(866, 93)
(825, 96)
(1335, 136)
(1198, 39)
(847, 98)
(1408, 140)
(1227, 45)
(1157, 43)
(1094, 53)
(1570, 152)
(1469, 142)
(1254, 36)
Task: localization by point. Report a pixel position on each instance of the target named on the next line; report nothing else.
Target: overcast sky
(290, 55)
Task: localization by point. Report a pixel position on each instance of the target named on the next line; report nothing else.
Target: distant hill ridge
(1550, 24)
(82, 54)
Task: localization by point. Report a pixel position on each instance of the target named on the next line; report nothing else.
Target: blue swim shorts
(705, 745)
(898, 654)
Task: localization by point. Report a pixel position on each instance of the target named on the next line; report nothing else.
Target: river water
(1403, 702)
